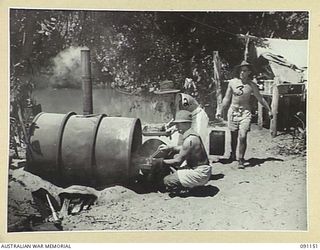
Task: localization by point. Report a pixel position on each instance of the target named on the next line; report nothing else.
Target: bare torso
(197, 154)
(240, 94)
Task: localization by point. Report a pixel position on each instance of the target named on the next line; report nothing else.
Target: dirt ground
(268, 195)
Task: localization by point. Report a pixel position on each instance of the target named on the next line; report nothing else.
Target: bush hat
(166, 87)
(244, 63)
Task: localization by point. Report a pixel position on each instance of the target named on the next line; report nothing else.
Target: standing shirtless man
(239, 113)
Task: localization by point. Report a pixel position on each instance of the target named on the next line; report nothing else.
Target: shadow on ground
(252, 162)
(202, 191)
(225, 161)
(215, 177)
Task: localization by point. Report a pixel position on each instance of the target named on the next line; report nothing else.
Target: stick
(23, 126)
(54, 214)
(168, 124)
(155, 153)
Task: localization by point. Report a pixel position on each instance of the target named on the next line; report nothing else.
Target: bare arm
(225, 102)
(184, 151)
(174, 149)
(260, 98)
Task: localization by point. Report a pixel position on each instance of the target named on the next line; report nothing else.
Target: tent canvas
(286, 59)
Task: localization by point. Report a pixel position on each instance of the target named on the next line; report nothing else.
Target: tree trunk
(30, 28)
(274, 107)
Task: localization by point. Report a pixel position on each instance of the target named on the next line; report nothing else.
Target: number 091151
(309, 245)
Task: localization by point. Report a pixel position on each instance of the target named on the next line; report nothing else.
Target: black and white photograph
(140, 120)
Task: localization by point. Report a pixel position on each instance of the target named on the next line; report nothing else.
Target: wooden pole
(246, 51)
(274, 108)
(260, 115)
(24, 131)
(216, 77)
(86, 82)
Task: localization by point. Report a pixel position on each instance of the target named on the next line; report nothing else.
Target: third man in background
(239, 114)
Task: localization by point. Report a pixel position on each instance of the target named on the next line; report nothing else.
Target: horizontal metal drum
(93, 150)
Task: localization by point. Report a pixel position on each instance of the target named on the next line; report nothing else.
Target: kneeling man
(190, 165)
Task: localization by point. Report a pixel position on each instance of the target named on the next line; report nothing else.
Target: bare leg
(234, 143)
(242, 144)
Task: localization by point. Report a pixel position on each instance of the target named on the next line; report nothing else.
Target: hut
(281, 72)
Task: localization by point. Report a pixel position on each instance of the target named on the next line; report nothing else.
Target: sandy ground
(268, 195)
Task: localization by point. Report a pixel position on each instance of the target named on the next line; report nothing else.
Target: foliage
(139, 49)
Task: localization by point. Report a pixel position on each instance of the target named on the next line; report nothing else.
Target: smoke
(66, 68)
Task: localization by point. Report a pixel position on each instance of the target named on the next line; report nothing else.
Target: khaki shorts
(239, 119)
(188, 178)
(172, 181)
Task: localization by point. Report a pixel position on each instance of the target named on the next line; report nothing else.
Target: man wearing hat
(197, 171)
(239, 114)
(200, 119)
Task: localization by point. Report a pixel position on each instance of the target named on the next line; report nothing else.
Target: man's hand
(168, 124)
(270, 115)
(149, 161)
(163, 148)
